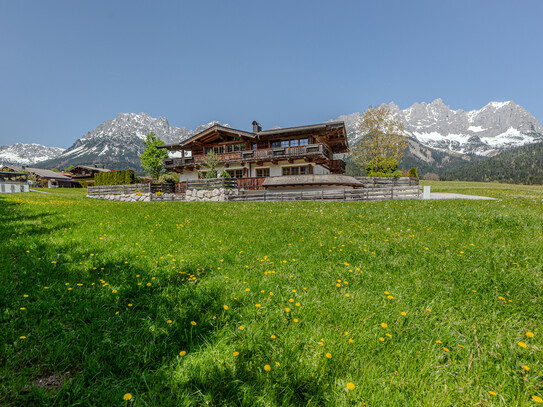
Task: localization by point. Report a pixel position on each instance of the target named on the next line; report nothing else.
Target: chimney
(257, 127)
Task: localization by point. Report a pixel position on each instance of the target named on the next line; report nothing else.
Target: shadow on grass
(100, 331)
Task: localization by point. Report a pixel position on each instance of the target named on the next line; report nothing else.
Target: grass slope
(411, 302)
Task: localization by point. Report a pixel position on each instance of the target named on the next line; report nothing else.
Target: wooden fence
(387, 182)
(359, 194)
(130, 189)
(212, 183)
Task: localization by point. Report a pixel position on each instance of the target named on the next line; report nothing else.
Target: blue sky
(67, 66)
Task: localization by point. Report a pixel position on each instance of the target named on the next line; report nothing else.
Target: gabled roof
(46, 173)
(217, 130)
(90, 167)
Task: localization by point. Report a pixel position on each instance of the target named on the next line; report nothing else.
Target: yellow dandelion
(351, 340)
(438, 341)
(258, 305)
(267, 368)
(22, 337)
(389, 335)
(129, 305)
(525, 368)
(530, 334)
(537, 399)
(273, 336)
(382, 339)
(347, 295)
(403, 313)
(241, 328)
(492, 393)
(169, 321)
(384, 325)
(291, 300)
(236, 353)
(148, 284)
(225, 307)
(522, 345)
(127, 396)
(329, 355)
(350, 386)
(22, 308)
(192, 323)
(114, 291)
(297, 304)
(287, 309)
(387, 293)
(182, 353)
(296, 320)
(445, 349)
(247, 289)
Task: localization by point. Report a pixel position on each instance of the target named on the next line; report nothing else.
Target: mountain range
(440, 138)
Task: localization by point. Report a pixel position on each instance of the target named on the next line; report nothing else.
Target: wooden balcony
(336, 166)
(263, 155)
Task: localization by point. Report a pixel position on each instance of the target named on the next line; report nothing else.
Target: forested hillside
(522, 165)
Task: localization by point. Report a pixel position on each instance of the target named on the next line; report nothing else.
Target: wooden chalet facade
(86, 171)
(303, 150)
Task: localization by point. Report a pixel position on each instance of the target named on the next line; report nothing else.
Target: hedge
(114, 178)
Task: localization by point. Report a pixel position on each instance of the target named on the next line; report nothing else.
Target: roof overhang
(215, 132)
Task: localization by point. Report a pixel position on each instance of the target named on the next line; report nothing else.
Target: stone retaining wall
(216, 194)
(139, 197)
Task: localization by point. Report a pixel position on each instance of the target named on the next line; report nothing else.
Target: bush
(430, 176)
(167, 179)
(396, 174)
(114, 178)
(386, 166)
(413, 173)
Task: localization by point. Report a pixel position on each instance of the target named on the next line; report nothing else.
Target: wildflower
(389, 335)
(329, 355)
(148, 284)
(530, 334)
(291, 300)
(492, 393)
(22, 337)
(382, 339)
(287, 309)
(247, 289)
(225, 307)
(22, 308)
(169, 321)
(526, 368)
(273, 336)
(404, 313)
(129, 305)
(127, 396)
(445, 349)
(522, 345)
(537, 399)
(192, 323)
(182, 353)
(258, 305)
(114, 291)
(347, 295)
(278, 364)
(351, 340)
(297, 304)
(241, 328)
(267, 368)
(236, 353)
(296, 320)
(438, 341)
(384, 325)
(350, 386)
(390, 297)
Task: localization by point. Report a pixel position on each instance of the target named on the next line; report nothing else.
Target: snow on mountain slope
(488, 131)
(20, 154)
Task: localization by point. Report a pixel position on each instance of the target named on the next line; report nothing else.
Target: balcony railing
(268, 154)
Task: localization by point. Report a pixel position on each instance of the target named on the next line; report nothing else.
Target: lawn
(398, 303)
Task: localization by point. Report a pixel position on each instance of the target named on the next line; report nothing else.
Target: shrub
(167, 179)
(114, 178)
(430, 176)
(413, 173)
(382, 165)
(396, 174)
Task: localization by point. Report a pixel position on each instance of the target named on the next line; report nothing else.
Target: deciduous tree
(153, 158)
(383, 137)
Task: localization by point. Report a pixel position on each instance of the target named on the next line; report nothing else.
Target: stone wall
(216, 194)
(138, 197)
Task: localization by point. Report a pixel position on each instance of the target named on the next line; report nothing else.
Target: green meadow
(397, 303)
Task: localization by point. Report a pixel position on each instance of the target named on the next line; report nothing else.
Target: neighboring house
(303, 150)
(51, 179)
(86, 171)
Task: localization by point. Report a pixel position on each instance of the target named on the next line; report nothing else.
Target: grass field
(398, 303)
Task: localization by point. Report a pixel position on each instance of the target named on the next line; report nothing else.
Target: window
(304, 141)
(294, 143)
(275, 144)
(236, 173)
(284, 143)
(254, 146)
(300, 170)
(262, 172)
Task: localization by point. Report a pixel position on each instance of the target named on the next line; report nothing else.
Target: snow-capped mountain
(20, 154)
(118, 143)
(496, 127)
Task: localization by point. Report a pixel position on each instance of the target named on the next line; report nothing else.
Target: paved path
(445, 195)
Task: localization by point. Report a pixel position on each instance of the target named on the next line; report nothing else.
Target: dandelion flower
(389, 335)
(273, 336)
(241, 328)
(530, 334)
(526, 368)
(129, 305)
(192, 323)
(296, 320)
(22, 337)
(390, 297)
(522, 345)
(382, 339)
(169, 321)
(182, 353)
(492, 393)
(350, 386)
(236, 353)
(297, 304)
(384, 325)
(225, 307)
(445, 349)
(329, 355)
(127, 396)
(267, 368)
(287, 309)
(438, 341)
(404, 313)
(537, 399)
(258, 305)
(351, 340)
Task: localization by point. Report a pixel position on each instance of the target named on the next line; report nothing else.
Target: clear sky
(67, 66)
